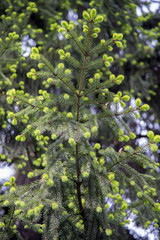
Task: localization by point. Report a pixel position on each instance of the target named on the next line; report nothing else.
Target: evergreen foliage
(78, 184)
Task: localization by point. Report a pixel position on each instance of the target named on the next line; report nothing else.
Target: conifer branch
(118, 114)
(5, 49)
(103, 46)
(99, 87)
(92, 65)
(34, 106)
(77, 148)
(122, 159)
(89, 37)
(42, 58)
(72, 60)
(75, 41)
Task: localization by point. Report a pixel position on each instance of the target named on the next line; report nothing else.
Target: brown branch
(78, 170)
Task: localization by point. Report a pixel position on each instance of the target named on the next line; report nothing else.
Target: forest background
(27, 24)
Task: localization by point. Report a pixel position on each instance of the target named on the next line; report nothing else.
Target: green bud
(61, 30)
(90, 80)
(138, 102)
(156, 139)
(132, 135)
(35, 50)
(119, 36)
(66, 96)
(87, 135)
(67, 71)
(135, 211)
(53, 136)
(153, 147)
(98, 19)
(41, 65)
(68, 55)
(126, 138)
(111, 176)
(126, 98)
(61, 52)
(40, 230)
(116, 99)
(121, 132)
(64, 179)
(85, 174)
(70, 27)
(93, 13)
(115, 35)
(103, 41)
(106, 206)
(60, 66)
(115, 183)
(96, 30)
(99, 209)
(145, 107)
(137, 116)
(97, 76)
(139, 194)
(71, 141)
(2, 225)
(108, 232)
(30, 175)
(156, 207)
(86, 15)
(64, 24)
(94, 129)
(124, 205)
(30, 212)
(94, 35)
(7, 184)
(107, 64)
(69, 115)
(97, 146)
(110, 59)
(12, 179)
(118, 44)
(45, 176)
(14, 121)
(12, 189)
(6, 203)
(150, 135)
(54, 206)
(102, 161)
(132, 183)
(120, 77)
(71, 205)
(17, 212)
(112, 77)
(111, 216)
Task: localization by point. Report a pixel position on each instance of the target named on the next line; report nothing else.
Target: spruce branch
(132, 154)
(101, 48)
(75, 41)
(33, 106)
(46, 62)
(116, 114)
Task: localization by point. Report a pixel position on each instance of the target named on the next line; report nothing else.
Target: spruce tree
(79, 186)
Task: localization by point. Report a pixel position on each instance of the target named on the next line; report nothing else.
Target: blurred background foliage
(25, 24)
